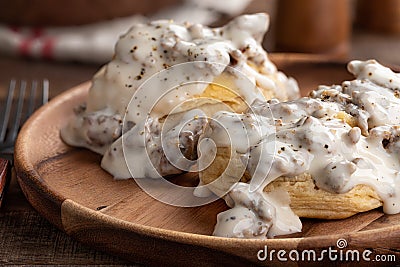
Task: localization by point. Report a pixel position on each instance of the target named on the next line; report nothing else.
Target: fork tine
(16, 112)
(14, 127)
(45, 91)
(31, 103)
(7, 111)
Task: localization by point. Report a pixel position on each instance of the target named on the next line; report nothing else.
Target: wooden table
(25, 237)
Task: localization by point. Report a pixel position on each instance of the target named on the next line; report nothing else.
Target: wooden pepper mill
(313, 26)
(382, 16)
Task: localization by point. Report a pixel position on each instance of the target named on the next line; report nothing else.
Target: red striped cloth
(95, 42)
(89, 43)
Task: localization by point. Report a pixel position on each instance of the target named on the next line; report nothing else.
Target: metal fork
(16, 108)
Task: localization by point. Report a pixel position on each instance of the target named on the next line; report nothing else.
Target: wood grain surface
(4, 177)
(61, 245)
(67, 186)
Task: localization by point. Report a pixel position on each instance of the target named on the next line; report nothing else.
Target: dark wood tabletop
(26, 238)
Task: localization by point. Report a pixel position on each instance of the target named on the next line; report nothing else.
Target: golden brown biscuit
(224, 91)
(306, 200)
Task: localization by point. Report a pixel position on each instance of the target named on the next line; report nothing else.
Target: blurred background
(86, 30)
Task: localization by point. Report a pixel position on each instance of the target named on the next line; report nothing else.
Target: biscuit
(306, 200)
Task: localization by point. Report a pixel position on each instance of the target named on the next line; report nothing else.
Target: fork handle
(4, 175)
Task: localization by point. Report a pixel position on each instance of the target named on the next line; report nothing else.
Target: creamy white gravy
(147, 49)
(342, 135)
(256, 215)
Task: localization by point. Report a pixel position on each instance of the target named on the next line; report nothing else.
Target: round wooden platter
(67, 186)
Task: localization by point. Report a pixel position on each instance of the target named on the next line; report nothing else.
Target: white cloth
(95, 42)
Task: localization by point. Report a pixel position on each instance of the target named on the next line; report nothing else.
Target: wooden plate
(68, 187)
